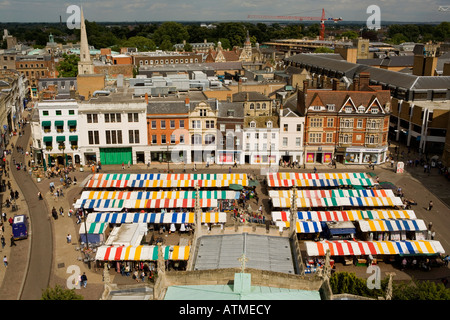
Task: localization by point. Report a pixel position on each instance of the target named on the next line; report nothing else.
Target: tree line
(164, 35)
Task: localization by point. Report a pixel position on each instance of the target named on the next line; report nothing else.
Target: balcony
(49, 148)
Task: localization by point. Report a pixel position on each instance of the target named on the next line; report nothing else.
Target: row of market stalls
(335, 209)
(122, 207)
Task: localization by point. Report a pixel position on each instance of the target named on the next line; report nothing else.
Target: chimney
(305, 86)
(430, 66)
(240, 85)
(356, 83)
(146, 98)
(187, 103)
(334, 84)
(229, 98)
(364, 80)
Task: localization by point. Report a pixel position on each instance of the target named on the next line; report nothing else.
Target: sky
(219, 10)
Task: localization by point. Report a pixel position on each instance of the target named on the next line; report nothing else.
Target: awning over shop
(162, 183)
(72, 123)
(60, 138)
(337, 202)
(312, 176)
(73, 138)
(59, 123)
(118, 205)
(357, 248)
(392, 225)
(169, 176)
(47, 139)
(350, 215)
(154, 195)
(46, 123)
(141, 253)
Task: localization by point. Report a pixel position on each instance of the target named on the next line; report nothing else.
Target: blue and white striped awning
(302, 226)
(392, 225)
(168, 217)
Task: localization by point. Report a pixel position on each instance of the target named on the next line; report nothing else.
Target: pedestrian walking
(84, 279)
(61, 211)
(235, 164)
(3, 242)
(123, 166)
(40, 195)
(430, 205)
(69, 238)
(430, 225)
(4, 216)
(13, 243)
(5, 261)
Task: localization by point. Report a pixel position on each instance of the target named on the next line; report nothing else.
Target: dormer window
(316, 108)
(361, 109)
(253, 124)
(269, 124)
(330, 107)
(374, 110)
(348, 109)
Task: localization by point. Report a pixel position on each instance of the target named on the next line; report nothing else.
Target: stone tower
(85, 65)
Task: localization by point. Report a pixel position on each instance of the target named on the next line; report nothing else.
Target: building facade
(291, 136)
(230, 124)
(261, 140)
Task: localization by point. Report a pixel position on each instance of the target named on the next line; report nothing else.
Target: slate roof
(237, 107)
(251, 95)
(377, 75)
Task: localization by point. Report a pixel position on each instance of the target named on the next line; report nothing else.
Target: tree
(141, 43)
(58, 293)
(420, 290)
(350, 34)
(344, 282)
(172, 32)
(68, 67)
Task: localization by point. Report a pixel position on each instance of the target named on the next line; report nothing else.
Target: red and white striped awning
(338, 202)
(361, 248)
(349, 215)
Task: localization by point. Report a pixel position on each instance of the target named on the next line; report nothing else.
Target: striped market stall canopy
(302, 226)
(141, 253)
(93, 227)
(335, 193)
(356, 248)
(392, 225)
(119, 205)
(157, 180)
(169, 217)
(337, 202)
(154, 195)
(350, 215)
(311, 176)
(320, 183)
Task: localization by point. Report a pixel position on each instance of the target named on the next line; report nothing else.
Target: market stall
(141, 253)
(94, 231)
(302, 226)
(154, 195)
(120, 205)
(349, 215)
(157, 218)
(334, 193)
(393, 229)
(339, 202)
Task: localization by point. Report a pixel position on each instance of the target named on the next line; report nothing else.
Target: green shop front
(116, 156)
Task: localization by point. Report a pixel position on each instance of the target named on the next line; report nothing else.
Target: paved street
(45, 257)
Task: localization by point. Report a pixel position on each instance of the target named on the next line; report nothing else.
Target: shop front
(228, 157)
(264, 158)
(319, 155)
(365, 155)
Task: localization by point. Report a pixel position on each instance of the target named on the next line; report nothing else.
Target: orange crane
(322, 20)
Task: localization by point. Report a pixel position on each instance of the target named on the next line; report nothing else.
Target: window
(202, 112)
(172, 139)
(181, 138)
(45, 113)
(154, 140)
(247, 146)
(163, 139)
(172, 124)
(252, 106)
(163, 124)
(210, 139)
(248, 135)
(263, 106)
(222, 127)
(264, 147)
(253, 124)
(181, 123)
(258, 106)
(374, 110)
(285, 141)
(196, 124)
(316, 122)
(133, 117)
(153, 124)
(113, 136)
(196, 139)
(330, 122)
(345, 138)
(330, 107)
(285, 127)
(359, 124)
(316, 108)
(348, 109)
(372, 139)
(58, 112)
(92, 118)
(315, 137)
(71, 112)
(265, 135)
(299, 127)
(238, 127)
(269, 124)
(274, 135)
(329, 137)
(133, 136)
(257, 135)
(346, 123)
(361, 109)
(93, 137)
(298, 142)
(209, 124)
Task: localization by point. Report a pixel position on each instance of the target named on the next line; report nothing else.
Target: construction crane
(322, 20)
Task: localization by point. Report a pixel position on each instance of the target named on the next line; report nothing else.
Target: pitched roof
(249, 96)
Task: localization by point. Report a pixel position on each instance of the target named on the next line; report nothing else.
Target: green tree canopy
(170, 32)
(141, 43)
(58, 293)
(68, 66)
(323, 50)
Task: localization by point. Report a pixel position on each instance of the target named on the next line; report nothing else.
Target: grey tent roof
(263, 252)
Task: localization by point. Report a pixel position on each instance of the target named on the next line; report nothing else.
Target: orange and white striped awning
(141, 253)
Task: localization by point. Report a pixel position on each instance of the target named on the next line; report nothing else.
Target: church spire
(85, 65)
